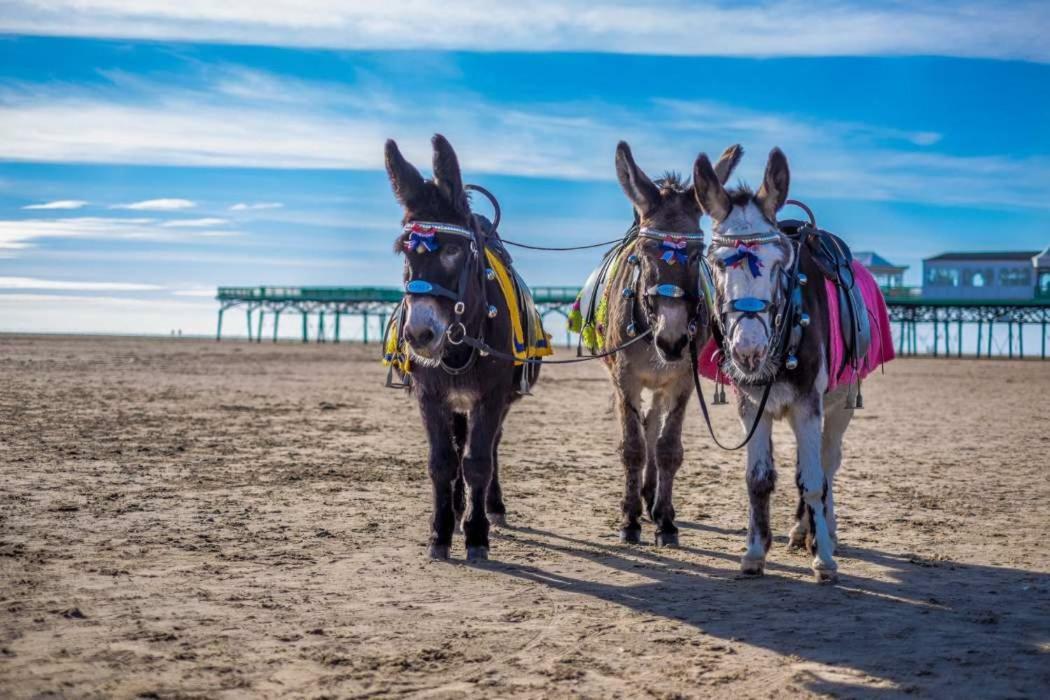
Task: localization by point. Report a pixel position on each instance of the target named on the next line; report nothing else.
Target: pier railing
(941, 328)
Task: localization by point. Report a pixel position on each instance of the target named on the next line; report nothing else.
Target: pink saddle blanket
(879, 352)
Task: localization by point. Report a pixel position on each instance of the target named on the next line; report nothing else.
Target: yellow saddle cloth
(529, 339)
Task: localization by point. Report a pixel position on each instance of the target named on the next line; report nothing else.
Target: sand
(185, 518)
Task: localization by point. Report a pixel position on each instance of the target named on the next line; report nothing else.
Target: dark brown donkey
(654, 288)
(463, 394)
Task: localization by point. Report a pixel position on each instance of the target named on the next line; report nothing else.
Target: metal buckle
(462, 333)
(459, 308)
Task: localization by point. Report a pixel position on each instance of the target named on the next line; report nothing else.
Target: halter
(785, 308)
(674, 245)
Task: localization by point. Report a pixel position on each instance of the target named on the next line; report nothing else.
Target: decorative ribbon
(746, 252)
(674, 250)
(419, 237)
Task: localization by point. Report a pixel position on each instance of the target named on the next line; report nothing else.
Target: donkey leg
(483, 426)
(443, 466)
(837, 417)
(459, 495)
(494, 506)
(669, 455)
(761, 479)
(653, 422)
(633, 455)
(807, 421)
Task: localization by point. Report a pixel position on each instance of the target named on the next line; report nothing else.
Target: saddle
(834, 259)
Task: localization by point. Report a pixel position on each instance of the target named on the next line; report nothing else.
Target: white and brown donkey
(752, 264)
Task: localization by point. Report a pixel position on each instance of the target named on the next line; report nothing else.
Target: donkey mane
(741, 194)
(672, 181)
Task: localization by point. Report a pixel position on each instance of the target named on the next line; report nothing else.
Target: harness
(674, 245)
(585, 319)
(789, 319)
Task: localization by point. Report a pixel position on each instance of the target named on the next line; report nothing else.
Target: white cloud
(59, 204)
(18, 234)
(207, 222)
(208, 292)
(764, 28)
(66, 285)
(177, 126)
(255, 206)
(157, 205)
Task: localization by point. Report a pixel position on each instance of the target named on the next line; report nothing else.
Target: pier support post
(364, 326)
(980, 327)
(248, 313)
(305, 334)
(258, 332)
(338, 317)
(218, 328)
(276, 319)
(320, 327)
(1010, 339)
(991, 330)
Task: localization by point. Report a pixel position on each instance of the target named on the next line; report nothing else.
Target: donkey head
(432, 257)
(747, 254)
(663, 209)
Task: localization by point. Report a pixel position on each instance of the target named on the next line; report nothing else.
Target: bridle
(423, 236)
(674, 244)
(785, 309)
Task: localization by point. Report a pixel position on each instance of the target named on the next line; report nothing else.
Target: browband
(436, 227)
(724, 239)
(660, 235)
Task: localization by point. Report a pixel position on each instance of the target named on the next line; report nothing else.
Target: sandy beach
(193, 519)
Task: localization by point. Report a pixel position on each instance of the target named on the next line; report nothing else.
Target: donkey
(655, 288)
(463, 395)
(753, 268)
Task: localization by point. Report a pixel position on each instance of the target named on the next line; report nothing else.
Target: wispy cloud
(180, 126)
(1013, 30)
(59, 204)
(255, 206)
(206, 222)
(157, 205)
(68, 285)
(20, 234)
(203, 292)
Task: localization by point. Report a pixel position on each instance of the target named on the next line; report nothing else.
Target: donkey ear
(728, 161)
(404, 178)
(636, 184)
(774, 191)
(447, 176)
(710, 194)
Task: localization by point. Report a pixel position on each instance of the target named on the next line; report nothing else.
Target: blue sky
(151, 151)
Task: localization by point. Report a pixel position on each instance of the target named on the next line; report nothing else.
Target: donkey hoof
(497, 519)
(752, 567)
(477, 553)
(826, 576)
(439, 552)
(667, 539)
(631, 535)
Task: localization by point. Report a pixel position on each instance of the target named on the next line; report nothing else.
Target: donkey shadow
(927, 627)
